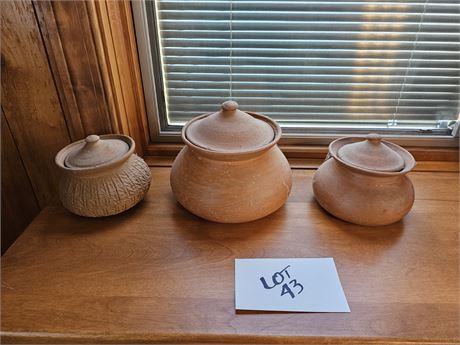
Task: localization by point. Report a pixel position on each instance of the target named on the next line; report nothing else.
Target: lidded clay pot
(231, 170)
(364, 181)
(101, 175)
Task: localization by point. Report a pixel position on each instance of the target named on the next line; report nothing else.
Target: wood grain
(59, 67)
(52, 83)
(19, 205)
(313, 163)
(159, 274)
(79, 49)
(113, 29)
(29, 98)
(297, 152)
(450, 154)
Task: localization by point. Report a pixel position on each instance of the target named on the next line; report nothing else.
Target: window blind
(382, 64)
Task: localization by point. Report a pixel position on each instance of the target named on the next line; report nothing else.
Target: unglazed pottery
(102, 176)
(231, 170)
(363, 181)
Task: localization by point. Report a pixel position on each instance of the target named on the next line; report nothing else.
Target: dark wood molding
(67, 35)
(113, 31)
(58, 64)
(314, 163)
(92, 51)
(318, 152)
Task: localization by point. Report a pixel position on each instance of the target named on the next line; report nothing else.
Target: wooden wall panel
(58, 64)
(92, 50)
(29, 98)
(70, 44)
(19, 205)
(69, 69)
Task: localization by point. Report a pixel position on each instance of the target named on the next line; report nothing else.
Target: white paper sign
(298, 285)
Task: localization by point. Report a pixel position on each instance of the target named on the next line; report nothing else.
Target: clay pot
(102, 176)
(363, 181)
(231, 169)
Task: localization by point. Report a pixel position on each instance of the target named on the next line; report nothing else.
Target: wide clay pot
(231, 169)
(101, 175)
(363, 181)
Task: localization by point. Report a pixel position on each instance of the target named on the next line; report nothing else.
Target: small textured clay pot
(101, 176)
(364, 181)
(231, 170)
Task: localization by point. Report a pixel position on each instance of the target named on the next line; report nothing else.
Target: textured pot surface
(231, 170)
(364, 181)
(102, 178)
(231, 191)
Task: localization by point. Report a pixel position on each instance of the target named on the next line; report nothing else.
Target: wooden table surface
(159, 274)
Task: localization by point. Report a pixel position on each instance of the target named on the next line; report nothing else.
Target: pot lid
(95, 151)
(372, 154)
(230, 129)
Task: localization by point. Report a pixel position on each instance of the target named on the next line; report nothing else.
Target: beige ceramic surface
(93, 152)
(230, 130)
(237, 176)
(364, 181)
(102, 176)
(371, 154)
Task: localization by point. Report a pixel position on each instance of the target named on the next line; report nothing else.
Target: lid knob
(374, 138)
(229, 106)
(90, 139)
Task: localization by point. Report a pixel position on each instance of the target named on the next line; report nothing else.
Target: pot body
(107, 191)
(231, 191)
(362, 198)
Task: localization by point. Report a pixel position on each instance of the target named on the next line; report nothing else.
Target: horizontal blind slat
(311, 44)
(281, 16)
(275, 81)
(255, 85)
(303, 53)
(312, 5)
(306, 26)
(315, 116)
(179, 61)
(208, 107)
(306, 94)
(352, 100)
(312, 35)
(306, 71)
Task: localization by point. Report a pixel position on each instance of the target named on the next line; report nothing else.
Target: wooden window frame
(113, 32)
(130, 99)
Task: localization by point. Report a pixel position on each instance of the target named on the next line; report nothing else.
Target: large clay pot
(102, 176)
(364, 181)
(231, 169)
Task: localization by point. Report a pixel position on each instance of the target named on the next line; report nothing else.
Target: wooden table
(159, 274)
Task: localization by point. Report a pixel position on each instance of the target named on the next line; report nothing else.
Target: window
(319, 68)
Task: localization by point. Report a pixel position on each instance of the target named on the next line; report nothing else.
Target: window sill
(311, 157)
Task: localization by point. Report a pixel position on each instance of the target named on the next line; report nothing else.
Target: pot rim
(240, 154)
(409, 160)
(63, 153)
